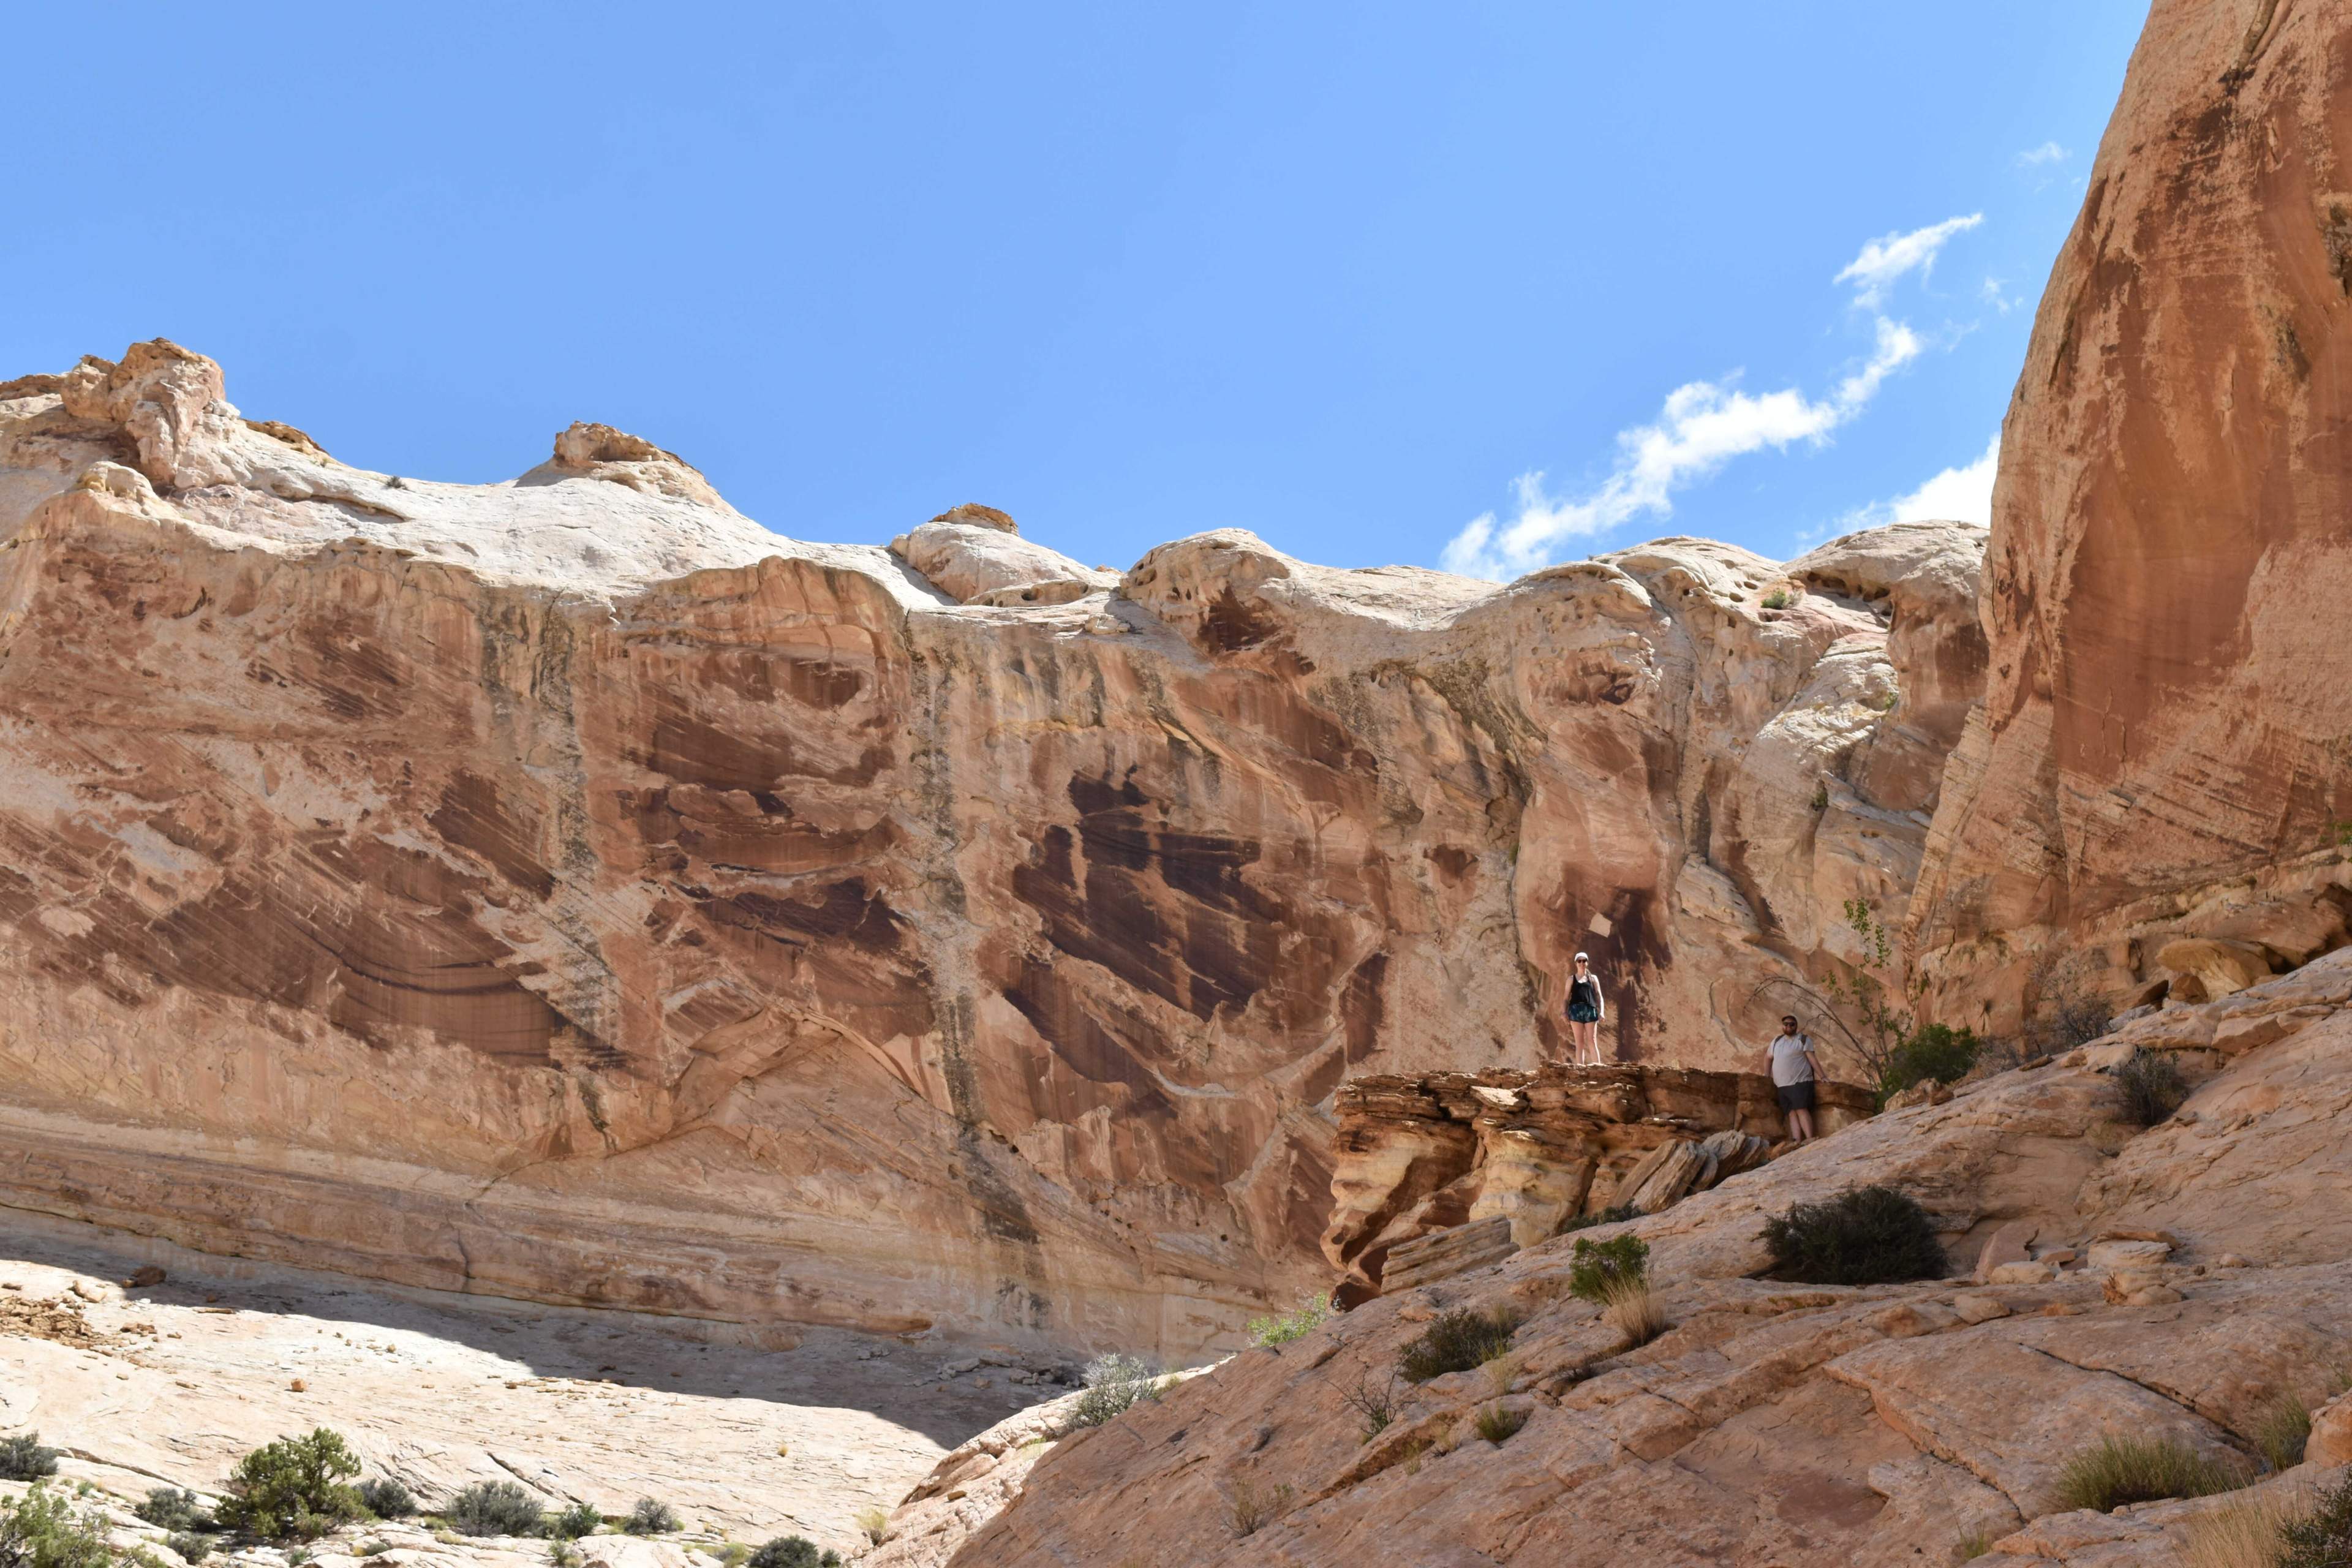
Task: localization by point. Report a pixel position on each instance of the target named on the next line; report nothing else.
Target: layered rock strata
(1419, 1155)
(2182, 1283)
(568, 888)
(2161, 752)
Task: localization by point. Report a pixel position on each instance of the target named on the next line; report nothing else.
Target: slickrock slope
(567, 889)
(1777, 1423)
(2161, 748)
(1533, 1149)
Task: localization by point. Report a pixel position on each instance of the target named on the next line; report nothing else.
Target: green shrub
(1308, 1316)
(1601, 1271)
(2323, 1538)
(580, 1518)
(1615, 1214)
(2152, 1085)
(292, 1488)
(1456, 1342)
(2123, 1471)
(168, 1507)
(1864, 1236)
(1114, 1384)
(495, 1507)
(734, 1554)
(386, 1498)
(1777, 599)
(43, 1530)
(1935, 1051)
(2283, 1432)
(651, 1517)
(23, 1458)
(1500, 1422)
(193, 1548)
(793, 1552)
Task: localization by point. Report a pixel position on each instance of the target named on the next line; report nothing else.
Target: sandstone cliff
(2159, 761)
(567, 888)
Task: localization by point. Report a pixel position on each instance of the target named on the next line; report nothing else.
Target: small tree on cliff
(1868, 995)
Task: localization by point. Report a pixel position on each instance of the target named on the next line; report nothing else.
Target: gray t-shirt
(1790, 1063)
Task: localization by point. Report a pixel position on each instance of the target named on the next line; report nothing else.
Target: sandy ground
(171, 1383)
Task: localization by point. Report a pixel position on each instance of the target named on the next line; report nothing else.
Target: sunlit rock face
(2161, 752)
(568, 888)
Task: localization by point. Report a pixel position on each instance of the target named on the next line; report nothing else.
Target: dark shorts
(1583, 1012)
(1796, 1096)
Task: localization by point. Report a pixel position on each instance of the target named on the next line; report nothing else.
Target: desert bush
(793, 1552)
(2322, 1538)
(1935, 1051)
(292, 1488)
(1297, 1324)
(1615, 1214)
(733, 1554)
(650, 1517)
(1250, 1508)
(1864, 1236)
(580, 1518)
(2067, 1011)
(874, 1522)
(1376, 1406)
(565, 1552)
(2152, 1085)
(1599, 1270)
(1114, 1383)
(1500, 1422)
(193, 1548)
(1777, 599)
(1456, 1342)
(22, 1458)
(2283, 1429)
(44, 1530)
(2123, 1471)
(387, 1499)
(495, 1507)
(168, 1507)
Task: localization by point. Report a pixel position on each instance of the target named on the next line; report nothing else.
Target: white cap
(1583, 958)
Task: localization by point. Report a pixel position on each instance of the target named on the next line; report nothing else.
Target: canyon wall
(2150, 803)
(571, 889)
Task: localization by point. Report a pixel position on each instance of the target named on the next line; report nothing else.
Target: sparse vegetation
(196, 1548)
(1599, 1270)
(1500, 1422)
(1376, 1406)
(1296, 1324)
(386, 1498)
(1615, 1214)
(1249, 1509)
(1115, 1384)
(22, 1458)
(44, 1530)
(565, 1555)
(2284, 1430)
(1935, 1051)
(2123, 1471)
(1822, 796)
(1456, 1342)
(1975, 1544)
(733, 1554)
(2322, 1538)
(1864, 1236)
(293, 1488)
(1777, 599)
(168, 1507)
(2151, 1085)
(874, 1522)
(2245, 1532)
(795, 1552)
(495, 1507)
(650, 1517)
(2067, 1012)
(580, 1518)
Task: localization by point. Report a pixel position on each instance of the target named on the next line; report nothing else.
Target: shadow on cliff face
(897, 1380)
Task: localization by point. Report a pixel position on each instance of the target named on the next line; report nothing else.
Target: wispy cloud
(1705, 425)
(2048, 152)
(1996, 293)
(1955, 495)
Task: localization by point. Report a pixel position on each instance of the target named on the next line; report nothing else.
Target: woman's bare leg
(1588, 1044)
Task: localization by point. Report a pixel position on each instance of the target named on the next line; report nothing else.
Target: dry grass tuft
(2245, 1533)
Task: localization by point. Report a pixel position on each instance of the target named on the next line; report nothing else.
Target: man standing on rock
(1793, 1067)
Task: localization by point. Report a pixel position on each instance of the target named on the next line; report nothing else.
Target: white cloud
(1996, 293)
(2048, 152)
(1702, 426)
(1955, 495)
(1889, 257)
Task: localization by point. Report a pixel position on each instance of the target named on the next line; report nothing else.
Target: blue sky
(1347, 275)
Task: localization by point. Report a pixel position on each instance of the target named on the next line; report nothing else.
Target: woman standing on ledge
(1584, 1011)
